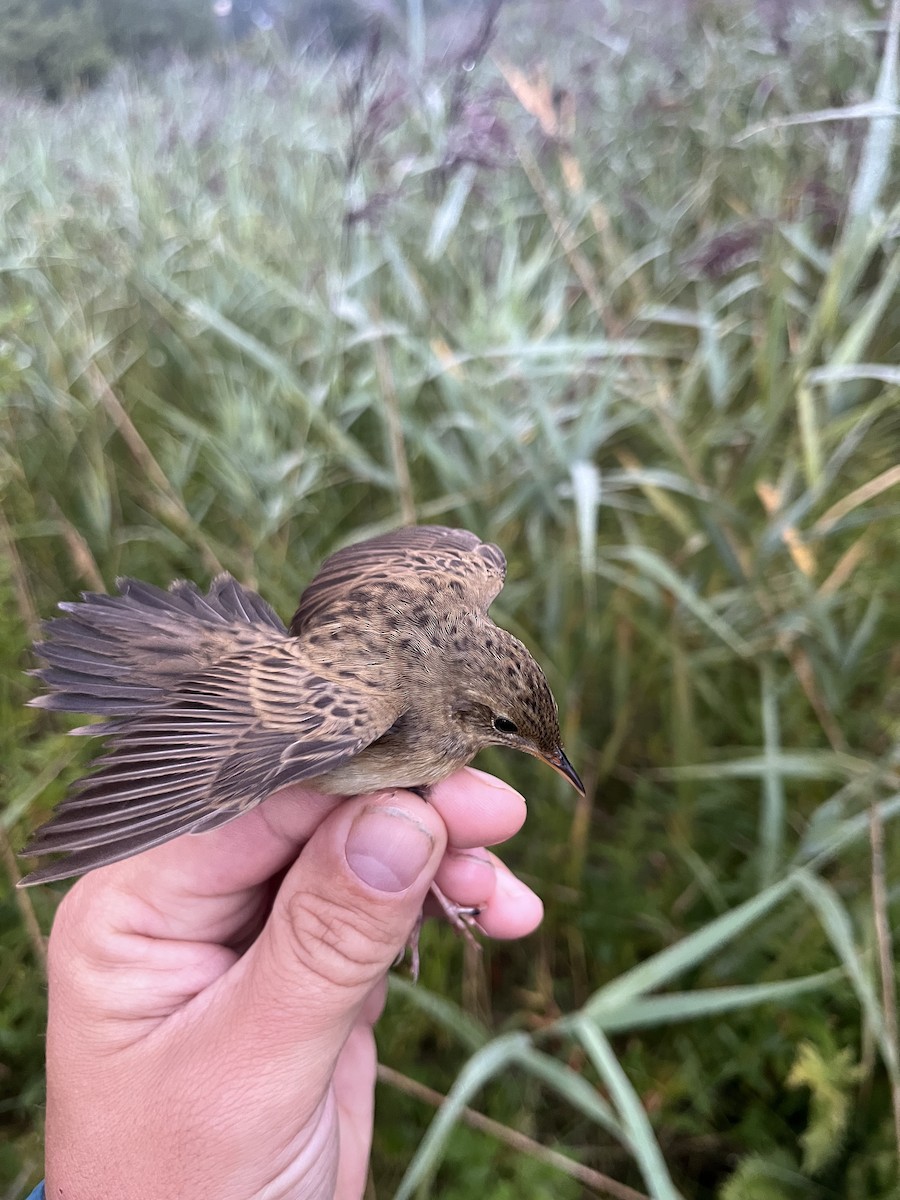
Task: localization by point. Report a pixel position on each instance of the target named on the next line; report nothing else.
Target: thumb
(342, 914)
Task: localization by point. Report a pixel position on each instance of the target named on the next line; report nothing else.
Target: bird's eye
(505, 725)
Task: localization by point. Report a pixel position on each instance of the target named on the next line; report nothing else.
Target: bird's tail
(116, 655)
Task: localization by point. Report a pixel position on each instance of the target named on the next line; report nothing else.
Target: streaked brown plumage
(391, 675)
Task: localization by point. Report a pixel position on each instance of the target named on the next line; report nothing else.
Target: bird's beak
(561, 764)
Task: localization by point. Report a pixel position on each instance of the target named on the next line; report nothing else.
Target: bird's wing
(187, 752)
(419, 558)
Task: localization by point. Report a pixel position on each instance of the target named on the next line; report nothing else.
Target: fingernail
(490, 780)
(512, 887)
(387, 848)
(473, 856)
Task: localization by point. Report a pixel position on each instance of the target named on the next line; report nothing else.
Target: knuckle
(343, 944)
(71, 918)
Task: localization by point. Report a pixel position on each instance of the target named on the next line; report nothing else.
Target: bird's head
(506, 701)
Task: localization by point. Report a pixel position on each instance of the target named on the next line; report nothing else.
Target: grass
(632, 314)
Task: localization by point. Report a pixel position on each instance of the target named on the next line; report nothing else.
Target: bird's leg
(461, 917)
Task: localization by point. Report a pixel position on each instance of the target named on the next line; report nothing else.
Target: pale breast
(411, 754)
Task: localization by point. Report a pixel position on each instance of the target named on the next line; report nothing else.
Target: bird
(390, 675)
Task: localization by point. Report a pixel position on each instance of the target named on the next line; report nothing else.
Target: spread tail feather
(114, 655)
(127, 658)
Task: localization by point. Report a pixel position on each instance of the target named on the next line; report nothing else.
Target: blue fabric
(38, 1193)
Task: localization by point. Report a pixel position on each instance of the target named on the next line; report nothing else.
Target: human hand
(212, 1000)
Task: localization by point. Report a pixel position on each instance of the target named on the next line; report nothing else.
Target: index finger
(204, 887)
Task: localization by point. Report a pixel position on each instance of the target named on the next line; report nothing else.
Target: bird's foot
(461, 917)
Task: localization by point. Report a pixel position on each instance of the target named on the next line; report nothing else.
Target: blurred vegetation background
(615, 286)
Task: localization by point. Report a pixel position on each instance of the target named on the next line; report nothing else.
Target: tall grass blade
(643, 1141)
